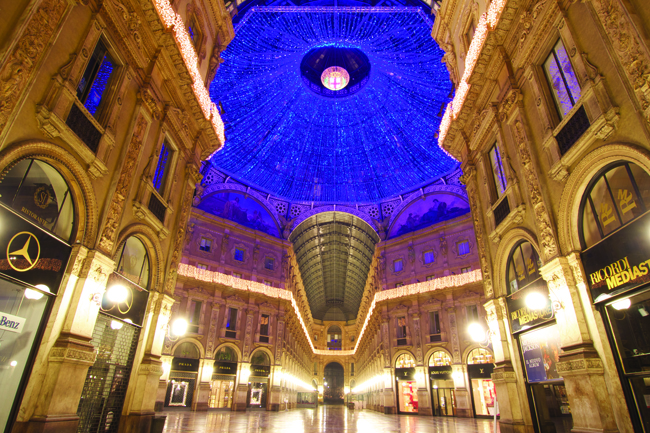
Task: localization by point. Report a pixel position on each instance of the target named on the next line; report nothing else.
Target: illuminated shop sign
(480, 371)
(29, 254)
(521, 317)
(440, 373)
(405, 373)
(225, 367)
(184, 364)
(541, 351)
(260, 370)
(620, 262)
(133, 308)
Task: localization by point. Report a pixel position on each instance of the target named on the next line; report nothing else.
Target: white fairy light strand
(488, 22)
(173, 21)
(441, 283)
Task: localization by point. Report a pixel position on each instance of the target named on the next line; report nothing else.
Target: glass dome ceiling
(287, 140)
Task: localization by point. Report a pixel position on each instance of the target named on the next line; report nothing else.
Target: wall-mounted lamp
(117, 293)
(536, 301)
(177, 329)
(479, 334)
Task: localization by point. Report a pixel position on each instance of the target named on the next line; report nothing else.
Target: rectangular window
(202, 266)
(195, 33)
(498, 175)
(398, 265)
(430, 277)
(463, 248)
(434, 322)
(562, 79)
(236, 274)
(206, 245)
(428, 257)
(162, 168)
(466, 269)
(264, 325)
(401, 327)
(96, 79)
(352, 369)
(268, 283)
(231, 324)
(239, 254)
(269, 263)
(398, 285)
(472, 313)
(195, 316)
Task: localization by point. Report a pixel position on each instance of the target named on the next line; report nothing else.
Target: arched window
(133, 262)
(479, 356)
(615, 197)
(523, 266)
(260, 358)
(439, 358)
(187, 350)
(226, 354)
(405, 360)
(333, 334)
(37, 191)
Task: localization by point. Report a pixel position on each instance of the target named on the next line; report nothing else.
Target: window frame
(515, 248)
(192, 315)
(586, 198)
(424, 257)
(463, 242)
(243, 254)
(549, 82)
(203, 247)
(401, 261)
(164, 190)
(106, 100)
(495, 176)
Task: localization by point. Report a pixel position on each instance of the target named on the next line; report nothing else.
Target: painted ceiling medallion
(335, 78)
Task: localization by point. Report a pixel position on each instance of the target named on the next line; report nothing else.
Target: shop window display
(408, 396)
(479, 370)
(405, 360)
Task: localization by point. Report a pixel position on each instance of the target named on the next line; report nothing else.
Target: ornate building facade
(103, 126)
(550, 121)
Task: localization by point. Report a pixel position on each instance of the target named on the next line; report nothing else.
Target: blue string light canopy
(293, 142)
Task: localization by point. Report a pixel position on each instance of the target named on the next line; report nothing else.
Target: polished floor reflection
(322, 419)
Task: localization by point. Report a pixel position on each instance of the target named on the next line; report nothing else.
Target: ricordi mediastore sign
(619, 263)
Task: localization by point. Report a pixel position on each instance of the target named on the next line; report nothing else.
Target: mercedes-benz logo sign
(23, 251)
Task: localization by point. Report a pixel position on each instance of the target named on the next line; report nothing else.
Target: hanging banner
(541, 351)
(619, 263)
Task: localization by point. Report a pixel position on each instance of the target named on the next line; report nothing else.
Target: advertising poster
(541, 350)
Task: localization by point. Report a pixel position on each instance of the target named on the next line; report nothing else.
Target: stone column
(275, 398)
(424, 396)
(143, 393)
(202, 393)
(580, 365)
(161, 393)
(463, 397)
(388, 401)
(72, 352)
(511, 394)
(241, 390)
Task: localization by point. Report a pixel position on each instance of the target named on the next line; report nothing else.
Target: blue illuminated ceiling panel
(292, 142)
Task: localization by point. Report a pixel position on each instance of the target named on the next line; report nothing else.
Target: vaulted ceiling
(334, 252)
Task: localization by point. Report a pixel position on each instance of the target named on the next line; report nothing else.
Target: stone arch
(72, 171)
(150, 240)
(471, 347)
(433, 350)
(231, 346)
(194, 341)
(265, 350)
(509, 240)
(400, 353)
(581, 176)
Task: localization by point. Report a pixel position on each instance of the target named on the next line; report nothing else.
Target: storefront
(443, 395)
(183, 376)
(258, 382)
(307, 399)
(115, 338)
(407, 388)
(618, 272)
(479, 371)
(224, 375)
(533, 325)
(33, 261)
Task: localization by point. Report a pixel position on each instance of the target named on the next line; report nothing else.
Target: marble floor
(322, 419)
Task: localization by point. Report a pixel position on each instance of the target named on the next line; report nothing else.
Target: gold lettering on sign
(620, 272)
(607, 214)
(626, 200)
